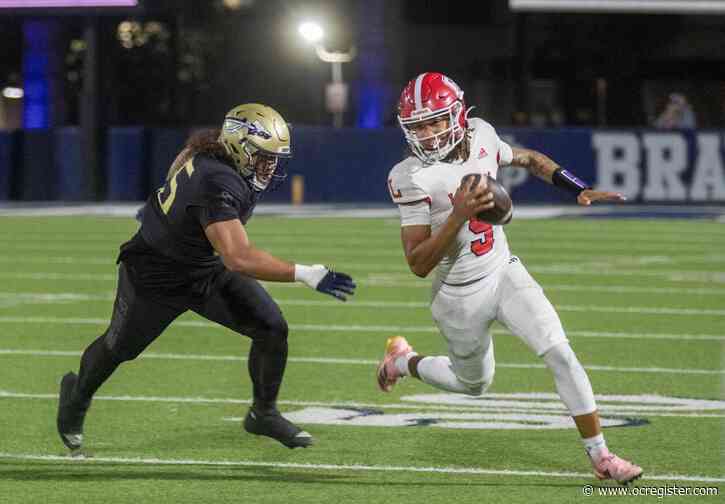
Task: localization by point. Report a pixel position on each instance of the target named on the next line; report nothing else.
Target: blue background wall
(351, 165)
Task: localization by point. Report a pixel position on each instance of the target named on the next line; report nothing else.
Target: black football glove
(337, 284)
(323, 279)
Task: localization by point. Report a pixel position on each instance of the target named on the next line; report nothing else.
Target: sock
(401, 363)
(595, 446)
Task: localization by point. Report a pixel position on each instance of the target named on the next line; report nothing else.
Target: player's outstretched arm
(230, 240)
(424, 250)
(536, 163)
(546, 169)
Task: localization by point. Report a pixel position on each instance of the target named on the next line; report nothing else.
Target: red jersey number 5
(484, 244)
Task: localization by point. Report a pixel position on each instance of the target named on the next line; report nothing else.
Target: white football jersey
(479, 247)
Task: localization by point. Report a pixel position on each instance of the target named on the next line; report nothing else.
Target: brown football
(502, 210)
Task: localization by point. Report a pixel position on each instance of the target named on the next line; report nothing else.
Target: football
(502, 210)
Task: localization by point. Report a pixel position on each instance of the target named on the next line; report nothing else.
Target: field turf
(643, 303)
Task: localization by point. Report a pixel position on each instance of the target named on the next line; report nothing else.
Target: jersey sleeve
(415, 214)
(403, 189)
(219, 200)
(505, 154)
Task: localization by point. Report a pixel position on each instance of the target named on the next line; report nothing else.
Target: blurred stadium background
(95, 102)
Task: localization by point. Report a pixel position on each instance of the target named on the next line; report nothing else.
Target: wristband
(568, 181)
(303, 273)
(311, 276)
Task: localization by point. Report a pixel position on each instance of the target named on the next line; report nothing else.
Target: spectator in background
(677, 114)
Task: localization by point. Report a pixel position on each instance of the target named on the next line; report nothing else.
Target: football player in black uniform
(192, 253)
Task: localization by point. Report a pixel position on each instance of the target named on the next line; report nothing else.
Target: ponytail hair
(201, 142)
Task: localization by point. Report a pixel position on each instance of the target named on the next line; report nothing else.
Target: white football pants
(511, 296)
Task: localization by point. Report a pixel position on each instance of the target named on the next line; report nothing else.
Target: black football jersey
(171, 240)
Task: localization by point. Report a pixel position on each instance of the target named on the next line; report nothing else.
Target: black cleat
(274, 425)
(70, 416)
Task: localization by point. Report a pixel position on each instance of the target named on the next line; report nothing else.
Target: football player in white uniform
(477, 279)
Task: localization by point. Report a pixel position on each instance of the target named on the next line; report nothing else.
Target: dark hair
(204, 141)
(461, 151)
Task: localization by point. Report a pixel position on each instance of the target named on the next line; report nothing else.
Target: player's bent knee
(274, 331)
(280, 329)
(120, 355)
(114, 349)
(561, 357)
(477, 388)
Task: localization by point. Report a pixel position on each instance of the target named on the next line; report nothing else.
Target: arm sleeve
(415, 214)
(219, 201)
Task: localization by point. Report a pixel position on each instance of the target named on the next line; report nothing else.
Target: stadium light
(13, 93)
(311, 32)
(336, 91)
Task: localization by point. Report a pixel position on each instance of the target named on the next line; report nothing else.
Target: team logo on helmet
(232, 124)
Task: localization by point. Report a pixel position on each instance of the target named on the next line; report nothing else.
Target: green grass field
(643, 303)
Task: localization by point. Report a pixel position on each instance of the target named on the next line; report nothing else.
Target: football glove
(325, 280)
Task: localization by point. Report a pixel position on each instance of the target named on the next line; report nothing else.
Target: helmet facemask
(264, 171)
(443, 141)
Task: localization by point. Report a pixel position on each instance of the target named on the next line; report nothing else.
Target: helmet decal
(232, 124)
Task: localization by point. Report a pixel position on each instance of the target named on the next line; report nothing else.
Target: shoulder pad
(402, 185)
(481, 127)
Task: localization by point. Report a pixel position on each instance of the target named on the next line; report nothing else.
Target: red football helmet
(428, 96)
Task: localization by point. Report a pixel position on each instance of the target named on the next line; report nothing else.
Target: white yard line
(397, 282)
(340, 467)
(386, 247)
(611, 270)
(641, 310)
(65, 297)
(630, 289)
(42, 276)
(19, 259)
(608, 270)
(394, 281)
(608, 409)
(381, 329)
(364, 362)
(663, 240)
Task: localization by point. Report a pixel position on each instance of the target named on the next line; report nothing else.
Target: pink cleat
(609, 466)
(388, 374)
